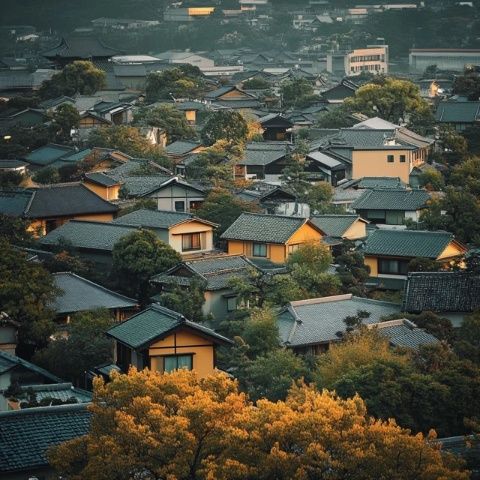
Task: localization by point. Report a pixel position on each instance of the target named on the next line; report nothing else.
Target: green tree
(64, 119)
(137, 257)
(15, 231)
(261, 332)
(297, 93)
(352, 272)
(225, 125)
(255, 84)
(27, 292)
(47, 175)
(11, 179)
(467, 85)
(336, 117)
(79, 77)
(85, 346)
(431, 179)
(315, 256)
(130, 141)
(454, 147)
(221, 207)
(388, 98)
(169, 118)
(467, 343)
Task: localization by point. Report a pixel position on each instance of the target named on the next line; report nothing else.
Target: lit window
(175, 362)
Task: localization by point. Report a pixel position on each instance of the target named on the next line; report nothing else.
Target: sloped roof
(88, 235)
(392, 199)
(379, 182)
(178, 181)
(181, 147)
(77, 294)
(321, 320)
(324, 159)
(14, 201)
(458, 112)
(48, 154)
(214, 272)
(154, 323)
(404, 333)
(158, 219)
(258, 154)
(59, 391)
(335, 225)
(66, 199)
(8, 362)
(101, 178)
(26, 435)
(80, 46)
(264, 228)
(376, 123)
(441, 292)
(407, 243)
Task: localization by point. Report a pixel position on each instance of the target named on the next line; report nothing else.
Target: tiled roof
(379, 182)
(78, 294)
(101, 179)
(59, 391)
(263, 228)
(334, 225)
(14, 202)
(458, 112)
(324, 159)
(12, 163)
(215, 272)
(441, 292)
(26, 435)
(153, 323)
(172, 181)
(181, 147)
(48, 154)
(67, 199)
(232, 104)
(392, 199)
(321, 320)
(80, 46)
(407, 243)
(139, 185)
(88, 235)
(158, 219)
(404, 333)
(8, 361)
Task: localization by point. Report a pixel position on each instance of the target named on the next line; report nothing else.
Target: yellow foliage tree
(179, 427)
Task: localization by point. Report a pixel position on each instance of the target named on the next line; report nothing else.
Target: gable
(453, 249)
(306, 233)
(182, 337)
(190, 226)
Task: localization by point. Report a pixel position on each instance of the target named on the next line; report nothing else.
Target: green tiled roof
(48, 154)
(88, 235)
(26, 435)
(59, 391)
(257, 227)
(138, 185)
(404, 333)
(321, 320)
(181, 147)
(78, 294)
(391, 199)
(153, 323)
(101, 179)
(458, 112)
(14, 202)
(407, 243)
(263, 154)
(158, 219)
(8, 362)
(334, 225)
(379, 182)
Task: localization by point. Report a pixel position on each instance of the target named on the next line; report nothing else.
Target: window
(403, 158)
(390, 158)
(231, 304)
(191, 241)
(259, 250)
(180, 206)
(393, 267)
(293, 248)
(175, 362)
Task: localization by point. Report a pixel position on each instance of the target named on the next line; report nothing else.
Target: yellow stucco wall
(191, 116)
(356, 231)
(372, 262)
(200, 11)
(183, 343)
(306, 233)
(236, 247)
(453, 249)
(107, 193)
(175, 234)
(373, 163)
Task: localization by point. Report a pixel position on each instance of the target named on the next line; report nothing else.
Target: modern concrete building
(443, 58)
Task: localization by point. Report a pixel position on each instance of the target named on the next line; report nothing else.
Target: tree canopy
(225, 125)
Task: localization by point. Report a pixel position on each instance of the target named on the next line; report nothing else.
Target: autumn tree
(85, 346)
(226, 125)
(183, 427)
(79, 77)
(137, 257)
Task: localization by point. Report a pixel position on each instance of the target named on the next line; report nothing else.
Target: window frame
(176, 357)
(396, 271)
(179, 202)
(403, 158)
(259, 245)
(191, 236)
(390, 158)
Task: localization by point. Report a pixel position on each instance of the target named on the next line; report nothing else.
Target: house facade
(271, 237)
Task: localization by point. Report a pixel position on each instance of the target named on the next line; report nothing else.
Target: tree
(27, 291)
(130, 141)
(261, 332)
(224, 125)
(336, 117)
(180, 426)
(255, 84)
(137, 257)
(467, 85)
(179, 82)
(315, 256)
(64, 119)
(169, 118)
(467, 344)
(85, 346)
(431, 179)
(454, 147)
(11, 179)
(47, 175)
(352, 272)
(79, 77)
(388, 98)
(297, 93)
(15, 231)
(221, 207)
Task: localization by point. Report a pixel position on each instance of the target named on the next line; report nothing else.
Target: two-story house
(272, 237)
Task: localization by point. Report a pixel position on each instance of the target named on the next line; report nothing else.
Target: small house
(163, 340)
(102, 184)
(271, 237)
(276, 127)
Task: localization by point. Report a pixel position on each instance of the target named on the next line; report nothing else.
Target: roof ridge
(46, 410)
(314, 301)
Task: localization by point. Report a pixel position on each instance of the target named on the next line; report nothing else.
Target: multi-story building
(443, 58)
(373, 59)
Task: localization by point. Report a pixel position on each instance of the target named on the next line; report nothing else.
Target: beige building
(373, 59)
